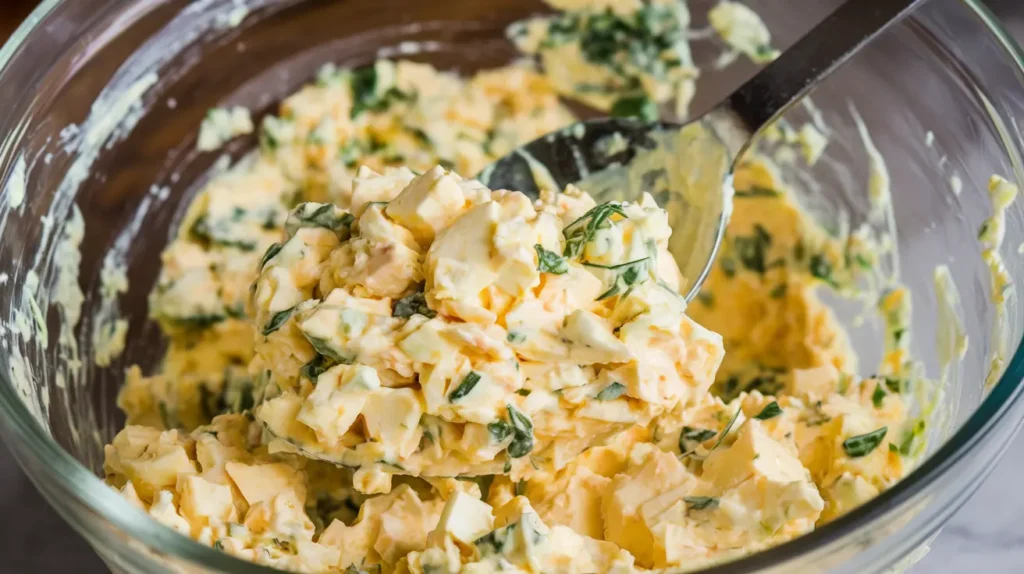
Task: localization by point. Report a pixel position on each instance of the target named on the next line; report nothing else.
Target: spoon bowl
(621, 159)
(688, 168)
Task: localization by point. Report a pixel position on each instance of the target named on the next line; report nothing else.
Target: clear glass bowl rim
(74, 479)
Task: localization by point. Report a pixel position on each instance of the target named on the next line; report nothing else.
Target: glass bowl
(103, 104)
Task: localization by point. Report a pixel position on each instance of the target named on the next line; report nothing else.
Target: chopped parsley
(692, 434)
(313, 369)
(700, 502)
(778, 292)
(697, 434)
(727, 428)
(272, 252)
(862, 445)
(367, 94)
(273, 131)
(465, 387)
(753, 250)
(728, 266)
(896, 385)
(635, 107)
(627, 276)
(550, 262)
(323, 347)
(279, 319)
(820, 268)
(500, 430)
(770, 411)
(757, 191)
(818, 418)
(322, 215)
(515, 337)
(413, 304)
(611, 392)
(349, 153)
(581, 232)
(766, 382)
(218, 233)
(878, 397)
(522, 431)
(651, 40)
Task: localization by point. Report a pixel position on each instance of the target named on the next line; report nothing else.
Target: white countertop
(986, 536)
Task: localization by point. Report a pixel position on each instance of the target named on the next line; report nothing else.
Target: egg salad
(445, 329)
(376, 364)
(388, 115)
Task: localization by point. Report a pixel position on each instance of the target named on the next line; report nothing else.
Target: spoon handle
(813, 58)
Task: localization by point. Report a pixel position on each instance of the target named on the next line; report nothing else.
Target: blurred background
(985, 535)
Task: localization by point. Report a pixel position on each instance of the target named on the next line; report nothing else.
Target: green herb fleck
(727, 428)
(770, 411)
(913, 437)
(522, 426)
(896, 385)
(500, 430)
(863, 261)
(818, 418)
(581, 232)
(611, 392)
(627, 275)
(700, 502)
(349, 153)
(878, 397)
(635, 107)
(323, 347)
(728, 267)
(820, 268)
(465, 387)
(862, 445)
(757, 191)
(752, 250)
(778, 292)
(272, 251)
(692, 434)
(313, 369)
(322, 215)
(697, 434)
(550, 262)
(413, 304)
(203, 232)
(366, 94)
(515, 337)
(279, 319)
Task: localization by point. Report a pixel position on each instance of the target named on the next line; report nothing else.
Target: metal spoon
(688, 168)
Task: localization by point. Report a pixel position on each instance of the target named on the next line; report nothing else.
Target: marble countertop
(984, 537)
